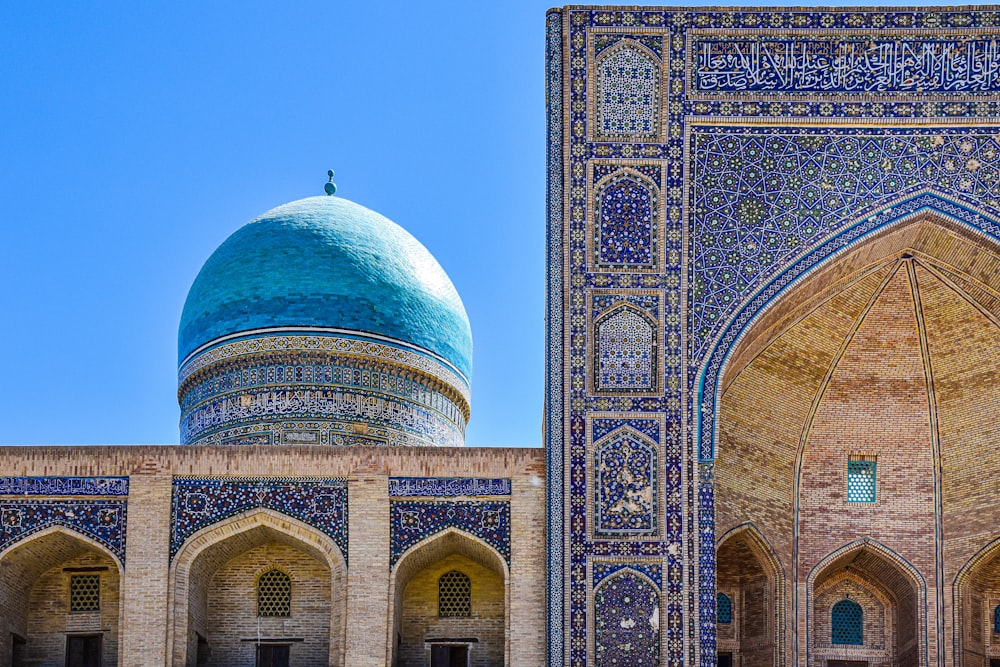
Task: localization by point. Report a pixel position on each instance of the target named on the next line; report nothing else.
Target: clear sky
(136, 136)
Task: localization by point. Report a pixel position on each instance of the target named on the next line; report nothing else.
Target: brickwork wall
(49, 618)
(420, 620)
(231, 611)
(878, 630)
(147, 592)
(751, 635)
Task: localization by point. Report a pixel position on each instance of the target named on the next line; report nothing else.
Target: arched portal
(866, 608)
(434, 619)
(259, 588)
(751, 588)
(859, 394)
(977, 609)
(59, 601)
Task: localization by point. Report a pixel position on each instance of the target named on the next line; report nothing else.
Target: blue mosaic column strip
(554, 331)
(447, 487)
(64, 486)
(413, 521)
(104, 521)
(199, 502)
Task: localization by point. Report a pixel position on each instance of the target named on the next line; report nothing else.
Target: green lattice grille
(724, 608)
(85, 592)
(274, 594)
(860, 480)
(454, 595)
(847, 623)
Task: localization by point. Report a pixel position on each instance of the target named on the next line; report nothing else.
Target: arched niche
(627, 92)
(212, 600)
(976, 595)
(892, 595)
(59, 594)
(416, 627)
(749, 573)
(627, 620)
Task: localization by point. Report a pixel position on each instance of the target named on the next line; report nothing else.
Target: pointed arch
(26, 561)
(923, 206)
(888, 576)
(627, 92)
(767, 559)
(625, 351)
(626, 610)
(209, 548)
(435, 549)
(627, 221)
(626, 484)
(968, 603)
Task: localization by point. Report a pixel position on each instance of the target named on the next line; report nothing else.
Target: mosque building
(772, 363)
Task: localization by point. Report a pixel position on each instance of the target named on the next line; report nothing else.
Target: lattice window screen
(454, 595)
(274, 594)
(85, 592)
(860, 480)
(724, 608)
(996, 620)
(847, 623)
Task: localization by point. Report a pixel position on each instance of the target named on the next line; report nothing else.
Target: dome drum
(286, 389)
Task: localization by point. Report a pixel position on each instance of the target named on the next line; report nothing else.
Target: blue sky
(136, 136)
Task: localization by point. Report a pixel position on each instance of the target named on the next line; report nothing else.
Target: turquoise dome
(327, 262)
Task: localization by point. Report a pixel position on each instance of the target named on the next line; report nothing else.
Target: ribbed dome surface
(327, 262)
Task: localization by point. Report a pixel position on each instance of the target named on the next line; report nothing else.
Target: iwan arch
(773, 335)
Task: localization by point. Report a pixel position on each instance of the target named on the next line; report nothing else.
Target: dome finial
(330, 188)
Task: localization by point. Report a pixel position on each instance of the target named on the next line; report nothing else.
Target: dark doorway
(272, 655)
(17, 645)
(449, 656)
(846, 663)
(726, 659)
(994, 662)
(83, 651)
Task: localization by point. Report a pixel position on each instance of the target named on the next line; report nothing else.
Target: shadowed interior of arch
(421, 633)
(59, 594)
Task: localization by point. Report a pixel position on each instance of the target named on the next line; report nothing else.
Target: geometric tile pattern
(625, 501)
(626, 351)
(626, 627)
(752, 195)
(413, 521)
(101, 520)
(628, 93)
(199, 502)
(626, 226)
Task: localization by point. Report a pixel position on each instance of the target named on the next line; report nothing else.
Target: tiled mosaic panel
(626, 226)
(626, 627)
(603, 570)
(628, 92)
(626, 351)
(762, 198)
(414, 521)
(601, 30)
(64, 486)
(101, 520)
(626, 494)
(199, 502)
(444, 487)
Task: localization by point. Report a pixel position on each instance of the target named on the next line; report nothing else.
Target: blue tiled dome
(327, 262)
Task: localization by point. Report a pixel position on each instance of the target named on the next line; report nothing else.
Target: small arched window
(454, 595)
(847, 623)
(724, 608)
(996, 619)
(274, 594)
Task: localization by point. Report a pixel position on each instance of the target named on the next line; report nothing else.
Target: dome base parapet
(319, 433)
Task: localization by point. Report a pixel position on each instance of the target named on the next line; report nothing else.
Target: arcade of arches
(856, 444)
